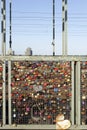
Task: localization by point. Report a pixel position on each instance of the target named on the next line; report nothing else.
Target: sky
(32, 26)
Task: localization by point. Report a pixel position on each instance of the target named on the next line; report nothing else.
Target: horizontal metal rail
(45, 58)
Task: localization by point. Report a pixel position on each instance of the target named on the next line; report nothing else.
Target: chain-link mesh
(40, 90)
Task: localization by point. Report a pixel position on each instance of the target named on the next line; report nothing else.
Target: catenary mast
(53, 43)
(3, 26)
(10, 28)
(64, 27)
(10, 38)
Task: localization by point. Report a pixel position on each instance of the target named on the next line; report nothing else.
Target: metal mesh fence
(39, 91)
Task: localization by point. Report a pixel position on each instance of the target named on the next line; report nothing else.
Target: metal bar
(53, 43)
(43, 127)
(10, 52)
(9, 92)
(66, 27)
(72, 101)
(10, 27)
(78, 98)
(43, 58)
(4, 93)
(63, 27)
(3, 26)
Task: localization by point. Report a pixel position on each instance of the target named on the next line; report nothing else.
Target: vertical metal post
(53, 43)
(3, 26)
(9, 92)
(10, 27)
(78, 98)
(72, 100)
(10, 52)
(64, 27)
(4, 93)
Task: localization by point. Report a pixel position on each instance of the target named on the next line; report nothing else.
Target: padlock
(47, 80)
(14, 115)
(83, 97)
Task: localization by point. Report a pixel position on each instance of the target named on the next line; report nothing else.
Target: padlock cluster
(84, 93)
(40, 90)
(1, 86)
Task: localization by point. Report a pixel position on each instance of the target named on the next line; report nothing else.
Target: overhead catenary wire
(46, 20)
(76, 23)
